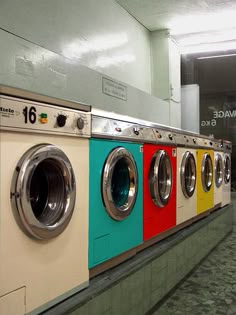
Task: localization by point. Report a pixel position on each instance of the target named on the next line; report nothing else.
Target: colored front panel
(217, 190)
(186, 207)
(205, 199)
(226, 188)
(157, 219)
(108, 237)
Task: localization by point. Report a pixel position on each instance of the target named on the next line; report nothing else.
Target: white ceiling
(190, 22)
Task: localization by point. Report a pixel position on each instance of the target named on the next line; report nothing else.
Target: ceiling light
(219, 56)
(203, 22)
(209, 47)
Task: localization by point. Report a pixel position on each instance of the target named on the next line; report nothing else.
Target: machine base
(138, 284)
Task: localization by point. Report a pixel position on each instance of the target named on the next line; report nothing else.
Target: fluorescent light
(206, 37)
(219, 56)
(208, 47)
(203, 22)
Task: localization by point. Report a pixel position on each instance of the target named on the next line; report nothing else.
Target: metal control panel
(29, 116)
(227, 146)
(217, 145)
(205, 142)
(103, 127)
(184, 139)
(180, 139)
(149, 135)
(164, 136)
(190, 141)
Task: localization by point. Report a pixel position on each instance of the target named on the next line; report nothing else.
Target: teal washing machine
(115, 188)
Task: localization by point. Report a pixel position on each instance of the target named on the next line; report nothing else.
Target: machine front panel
(205, 198)
(109, 237)
(157, 219)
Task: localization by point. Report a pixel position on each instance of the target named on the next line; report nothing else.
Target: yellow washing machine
(205, 175)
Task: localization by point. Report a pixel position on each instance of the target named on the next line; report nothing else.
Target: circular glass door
(218, 170)
(188, 174)
(160, 178)
(227, 169)
(206, 172)
(43, 192)
(119, 183)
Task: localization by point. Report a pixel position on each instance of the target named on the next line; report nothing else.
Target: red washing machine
(159, 182)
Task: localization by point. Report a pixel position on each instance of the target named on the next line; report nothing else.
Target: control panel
(180, 139)
(113, 128)
(205, 143)
(164, 136)
(30, 116)
(217, 145)
(149, 135)
(227, 146)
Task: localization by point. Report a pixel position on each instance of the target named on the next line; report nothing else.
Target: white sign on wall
(113, 88)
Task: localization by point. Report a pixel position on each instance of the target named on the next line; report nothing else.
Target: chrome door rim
(206, 174)
(218, 170)
(227, 169)
(119, 212)
(159, 160)
(188, 189)
(59, 201)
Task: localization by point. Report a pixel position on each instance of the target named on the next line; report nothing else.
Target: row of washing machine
(79, 190)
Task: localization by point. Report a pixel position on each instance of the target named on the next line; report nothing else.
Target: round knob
(136, 131)
(170, 136)
(211, 143)
(80, 123)
(61, 120)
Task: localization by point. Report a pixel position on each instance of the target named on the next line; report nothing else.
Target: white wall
(98, 34)
(166, 73)
(31, 67)
(190, 107)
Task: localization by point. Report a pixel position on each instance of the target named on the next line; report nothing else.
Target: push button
(43, 118)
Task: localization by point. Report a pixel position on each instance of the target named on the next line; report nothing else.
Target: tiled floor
(211, 289)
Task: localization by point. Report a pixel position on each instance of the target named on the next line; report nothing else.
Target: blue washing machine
(115, 187)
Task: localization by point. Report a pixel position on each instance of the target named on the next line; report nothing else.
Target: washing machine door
(43, 191)
(119, 183)
(227, 169)
(160, 178)
(188, 174)
(206, 172)
(218, 170)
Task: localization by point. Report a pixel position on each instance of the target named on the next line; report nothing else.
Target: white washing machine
(186, 176)
(226, 189)
(44, 159)
(218, 173)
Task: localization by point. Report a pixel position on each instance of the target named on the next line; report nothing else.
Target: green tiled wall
(138, 292)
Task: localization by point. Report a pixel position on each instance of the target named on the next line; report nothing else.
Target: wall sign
(113, 88)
